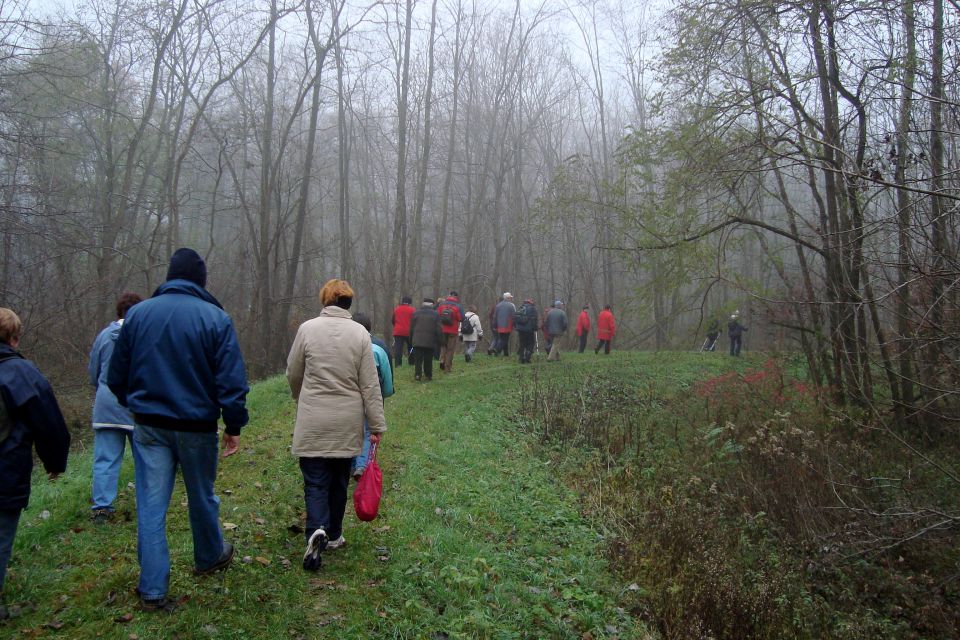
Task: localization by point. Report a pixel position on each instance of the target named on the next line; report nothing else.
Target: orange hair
(333, 290)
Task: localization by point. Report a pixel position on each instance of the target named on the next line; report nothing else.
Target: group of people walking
(435, 329)
(166, 371)
(169, 368)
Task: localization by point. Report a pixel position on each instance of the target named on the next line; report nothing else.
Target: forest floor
(478, 536)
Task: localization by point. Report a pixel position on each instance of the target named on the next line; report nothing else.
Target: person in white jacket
(471, 337)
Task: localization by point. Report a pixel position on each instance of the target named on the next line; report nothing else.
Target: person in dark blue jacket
(29, 418)
(112, 424)
(177, 366)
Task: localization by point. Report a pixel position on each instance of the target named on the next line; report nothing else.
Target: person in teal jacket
(385, 373)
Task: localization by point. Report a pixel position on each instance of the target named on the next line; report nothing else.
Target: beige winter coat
(333, 378)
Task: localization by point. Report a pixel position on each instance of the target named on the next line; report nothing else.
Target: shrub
(746, 508)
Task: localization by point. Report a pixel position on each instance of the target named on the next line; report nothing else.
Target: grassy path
(476, 538)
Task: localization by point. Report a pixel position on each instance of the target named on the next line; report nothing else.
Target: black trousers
(711, 341)
(735, 343)
(325, 483)
(605, 344)
(583, 342)
(401, 347)
(528, 342)
(423, 361)
(503, 345)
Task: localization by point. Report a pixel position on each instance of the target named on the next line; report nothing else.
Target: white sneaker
(336, 544)
(316, 544)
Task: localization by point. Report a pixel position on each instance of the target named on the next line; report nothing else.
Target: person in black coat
(525, 322)
(735, 333)
(426, 332)
(30, 418)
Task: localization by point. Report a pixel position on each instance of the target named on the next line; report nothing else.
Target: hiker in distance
(451, 314)
(401, 330)
(713, 332)
(583, 327)
(554, 328)
(30, 419)
(177, 366)
(112, 423)
(426, 334)
(735, 334)
(502, 324)
(525, 320)
(333, 377)
(471, 331)
(606, 329)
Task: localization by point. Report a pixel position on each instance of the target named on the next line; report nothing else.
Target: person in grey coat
(554, 326)
(426, 332)
(112, 423)
(503, 324)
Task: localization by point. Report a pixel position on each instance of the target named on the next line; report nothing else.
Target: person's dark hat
(454, 294)
(428, 300)
(405, 300)
(186, 264)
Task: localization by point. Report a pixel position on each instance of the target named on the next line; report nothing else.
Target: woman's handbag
(366, 497)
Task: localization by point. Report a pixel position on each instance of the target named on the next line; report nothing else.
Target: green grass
(478, 537)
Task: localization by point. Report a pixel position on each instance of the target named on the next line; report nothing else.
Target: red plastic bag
(366, 497)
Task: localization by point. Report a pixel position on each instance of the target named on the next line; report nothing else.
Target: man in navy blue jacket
(29, 418)
(177, 366)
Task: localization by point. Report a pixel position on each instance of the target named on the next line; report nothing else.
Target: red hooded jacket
(401, 319)
(606, 325)
(583, 323)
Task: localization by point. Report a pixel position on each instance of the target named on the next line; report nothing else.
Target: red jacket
(401, 319)
(583, 323)
(454, 304)
(606, 325)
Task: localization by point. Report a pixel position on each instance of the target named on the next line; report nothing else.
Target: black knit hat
(186, 264)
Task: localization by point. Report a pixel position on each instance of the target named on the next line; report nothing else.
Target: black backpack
(466, 327)
(526, 318)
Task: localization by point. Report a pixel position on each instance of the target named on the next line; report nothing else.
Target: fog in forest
(795, 162)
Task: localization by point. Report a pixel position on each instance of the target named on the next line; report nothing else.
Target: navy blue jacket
(177, 364)
(29, 417)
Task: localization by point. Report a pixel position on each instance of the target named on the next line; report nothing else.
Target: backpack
(526, 318)
(446, 315)
(466, 327)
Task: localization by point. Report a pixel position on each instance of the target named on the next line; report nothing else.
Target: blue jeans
(360, 462)
(9, 518)
(157, 454)
(469, 348)
(108, 446)
(325, 483)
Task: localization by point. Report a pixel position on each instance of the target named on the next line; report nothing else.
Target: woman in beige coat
(333, 378)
